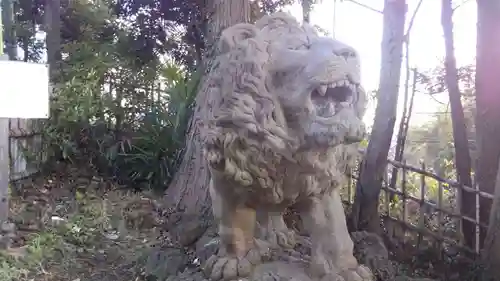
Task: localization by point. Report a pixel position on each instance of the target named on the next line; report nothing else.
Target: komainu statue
(286, 123)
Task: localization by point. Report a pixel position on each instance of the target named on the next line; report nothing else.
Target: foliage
(135, 139)
(156, 25)
(124, 119)
(432, 142)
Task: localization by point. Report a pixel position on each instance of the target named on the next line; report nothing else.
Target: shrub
(124, 122)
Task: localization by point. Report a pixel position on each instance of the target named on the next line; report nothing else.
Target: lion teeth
(322, 89)
(341, 83)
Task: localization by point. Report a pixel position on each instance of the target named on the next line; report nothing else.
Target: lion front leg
(332, 248)
(239, 251)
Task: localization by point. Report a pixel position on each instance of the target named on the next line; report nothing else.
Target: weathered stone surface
(293, 264)
(287, 122)
(188, 275)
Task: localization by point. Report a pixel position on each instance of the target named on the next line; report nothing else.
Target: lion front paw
(360, 273)
(230, 267)
(227, 268)
(284, 238)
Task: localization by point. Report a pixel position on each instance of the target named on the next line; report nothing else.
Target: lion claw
(283, 238)
(226, 268)
(219, 267)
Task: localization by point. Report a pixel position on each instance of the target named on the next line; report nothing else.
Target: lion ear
(231, 36)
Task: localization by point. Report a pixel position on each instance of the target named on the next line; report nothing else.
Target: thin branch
(365, 6)
(412, 19)
(459, 5)
(434, 98)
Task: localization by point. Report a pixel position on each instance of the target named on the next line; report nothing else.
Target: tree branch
(365, 6)
(412, 20)
(459, 5)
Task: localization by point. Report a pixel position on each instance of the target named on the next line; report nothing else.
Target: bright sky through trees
(362, 28)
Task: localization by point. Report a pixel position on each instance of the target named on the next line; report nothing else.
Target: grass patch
(79, 235)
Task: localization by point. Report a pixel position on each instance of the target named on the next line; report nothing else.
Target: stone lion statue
(286, 122)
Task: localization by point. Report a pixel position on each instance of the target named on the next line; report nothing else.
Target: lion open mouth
(328, 99)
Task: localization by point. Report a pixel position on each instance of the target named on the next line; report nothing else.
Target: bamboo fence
(417, 215)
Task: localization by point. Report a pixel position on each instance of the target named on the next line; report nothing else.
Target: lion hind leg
(332, 248)
(275, 231)
(239, 251)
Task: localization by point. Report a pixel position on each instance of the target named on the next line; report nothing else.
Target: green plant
(133, 132)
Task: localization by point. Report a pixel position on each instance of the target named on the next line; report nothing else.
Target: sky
(362, 28)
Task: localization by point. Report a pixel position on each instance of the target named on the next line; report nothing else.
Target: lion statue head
(279, 92)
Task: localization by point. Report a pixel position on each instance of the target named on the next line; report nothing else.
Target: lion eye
(347, 54)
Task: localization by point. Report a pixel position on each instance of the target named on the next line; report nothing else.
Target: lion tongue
(326, 109)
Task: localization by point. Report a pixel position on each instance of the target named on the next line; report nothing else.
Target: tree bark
(188, 192)
(52, 14)
(460, 139)
(365, 209)
(491, 253)
(487, 102)
(306, 10)
(10, 38)
(407, 107)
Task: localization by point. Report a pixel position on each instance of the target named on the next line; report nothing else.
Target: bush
(126, 123)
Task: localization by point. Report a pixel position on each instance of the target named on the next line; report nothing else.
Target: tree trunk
(26, 48)
(365, 209)
(460, 139)
(306, 10)
(407, 107)
(9, 28)
(491, 253)
(188, 192)
(52, 19)
(487, 102)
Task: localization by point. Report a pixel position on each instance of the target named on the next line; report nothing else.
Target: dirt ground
(74, 228)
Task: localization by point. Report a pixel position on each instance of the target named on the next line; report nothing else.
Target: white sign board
(24, 90)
